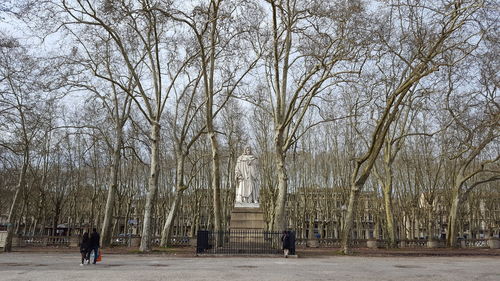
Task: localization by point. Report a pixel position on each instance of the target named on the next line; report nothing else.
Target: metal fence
(242, 242)
(43, 241)
(413, 243)
(362, 243)
(73, 241)
(475, 243)
(181, 241)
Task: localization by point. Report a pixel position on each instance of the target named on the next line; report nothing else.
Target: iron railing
(155, 241)
(475, 243)
(238, 242)
(43, 241)
(242, 242)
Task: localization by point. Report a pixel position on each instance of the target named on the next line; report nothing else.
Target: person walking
(285, 238)
(85, 248)
(94, 244)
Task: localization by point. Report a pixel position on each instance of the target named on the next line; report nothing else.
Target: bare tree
(475, 149)
(303, 62)
(219, 37)
(154, 62)
(185, 131)
(429, 42)
(402, 128)
(102, 62)
(24, 81)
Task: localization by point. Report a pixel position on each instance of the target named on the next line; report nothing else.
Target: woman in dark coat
(285, 238)
(84, 247)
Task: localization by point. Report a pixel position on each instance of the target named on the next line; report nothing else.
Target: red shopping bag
(99, 258)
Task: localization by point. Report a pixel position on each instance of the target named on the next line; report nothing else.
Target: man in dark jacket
(94, 244)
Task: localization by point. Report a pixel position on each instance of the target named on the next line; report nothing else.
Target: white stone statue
(247, 190)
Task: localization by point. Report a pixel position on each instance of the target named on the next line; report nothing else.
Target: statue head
(248, 150)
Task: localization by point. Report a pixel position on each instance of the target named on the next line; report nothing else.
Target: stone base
(247, 219)
(17, 241)
(494, 243)
(74, 241)
(247, 225)
(402, 244)
(312, 243)
(135, 241)
(3, 237)
(462, 244)
(432, 244)
(372, 244)
(246, 205)
(193, 241)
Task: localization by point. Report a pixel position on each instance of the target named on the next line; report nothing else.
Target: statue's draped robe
(246, 176)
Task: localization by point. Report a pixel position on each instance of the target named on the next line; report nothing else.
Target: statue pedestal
(246, 205)
(244, 218)
(247, 224)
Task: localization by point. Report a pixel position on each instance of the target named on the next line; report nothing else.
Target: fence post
(74, 241)
(494, 243)
(431, 243)
(372, 243)
(463, 244)
(402, 244)
(201, 241)
(16, 241)
(193, 241)
(292, 242)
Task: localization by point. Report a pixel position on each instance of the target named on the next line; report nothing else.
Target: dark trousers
(84, 255)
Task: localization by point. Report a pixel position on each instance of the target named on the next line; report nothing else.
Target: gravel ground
(65, 266)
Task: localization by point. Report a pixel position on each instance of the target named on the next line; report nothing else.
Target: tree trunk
(34, 226)
(389, 215)
(20, 217)
(152, 188)
(216, 182)
(452, 219)
(430, 223)
(13, 208)
(196, 219)
(116, 222)
(167, 228)
(43, 222)
(279, 223)
(208, 74)
(39, 213)
(349, 219)
(55, 221)
(93, 218)
(127, 216)
(108, 213)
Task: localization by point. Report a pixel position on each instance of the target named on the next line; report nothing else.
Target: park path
(65, 266)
